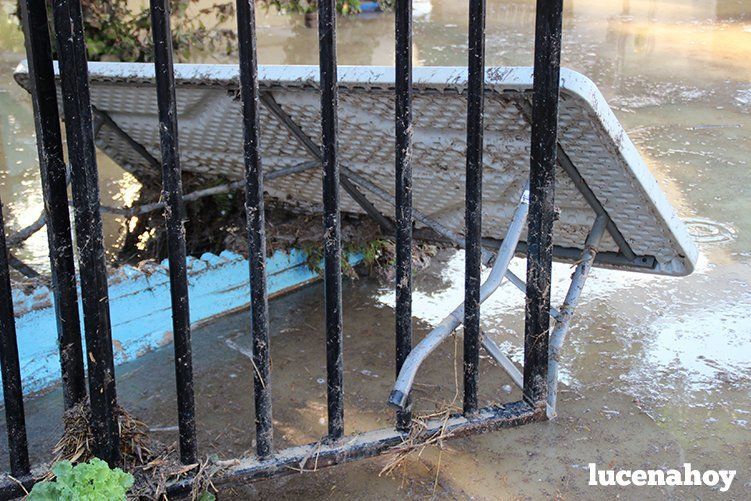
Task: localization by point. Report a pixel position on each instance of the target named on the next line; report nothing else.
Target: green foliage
(90, 481)
(306, 6)
(377, 253)
(115, 30)
(119, 30)
(376, 250)
(206, 496)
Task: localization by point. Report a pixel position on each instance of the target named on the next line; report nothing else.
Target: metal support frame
(105, 119)
(444, 233)
(565, 163)
(400, 393)
(315, 151)
(322, 454)
(562, 321)
(578, 280)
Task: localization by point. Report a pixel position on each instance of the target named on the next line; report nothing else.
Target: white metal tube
(567, 309)
(495, 351)
(419, 353)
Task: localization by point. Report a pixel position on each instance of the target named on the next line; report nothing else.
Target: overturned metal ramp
(599, 169)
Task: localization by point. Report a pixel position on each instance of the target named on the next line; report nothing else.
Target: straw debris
(75, 444)
(153, 464)
(165, 468)
(418, 440)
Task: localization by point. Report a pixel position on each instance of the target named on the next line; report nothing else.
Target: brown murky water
(658, 370)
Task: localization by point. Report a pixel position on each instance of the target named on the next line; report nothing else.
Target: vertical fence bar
(11, 370)
(542, 191)
(331, 224)
(55, 194)
(254, 209)
(174, 214)
(403, 169)
(84, 180)
(472, 278)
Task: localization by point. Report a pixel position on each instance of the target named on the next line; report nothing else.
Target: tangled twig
(418, 440)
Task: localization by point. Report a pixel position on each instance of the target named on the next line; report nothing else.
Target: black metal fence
(68, 26)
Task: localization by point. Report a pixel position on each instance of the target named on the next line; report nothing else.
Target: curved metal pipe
(419, 353)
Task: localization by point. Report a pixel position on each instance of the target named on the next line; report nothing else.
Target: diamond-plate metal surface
(211, 144)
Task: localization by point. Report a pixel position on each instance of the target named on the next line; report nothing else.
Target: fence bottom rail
(318, 455)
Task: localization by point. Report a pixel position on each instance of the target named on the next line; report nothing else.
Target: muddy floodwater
(657, 370)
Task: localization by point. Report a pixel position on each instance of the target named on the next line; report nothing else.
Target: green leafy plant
(120, 30)
(90, 481)
(117, 30)
(309, 6)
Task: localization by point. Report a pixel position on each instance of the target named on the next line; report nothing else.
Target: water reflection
(18, 159)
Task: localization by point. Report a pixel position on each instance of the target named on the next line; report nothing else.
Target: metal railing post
(55, 195)
(254, 208)
(331, 218)
(174, 213)
(74, 78)
(11, 371)
(542, 193)
(403, 215)
(473, 216)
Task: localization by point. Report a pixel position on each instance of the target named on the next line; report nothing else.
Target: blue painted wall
(140, 306)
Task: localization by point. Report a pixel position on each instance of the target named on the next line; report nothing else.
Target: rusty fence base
(312, 457)
(323, 454)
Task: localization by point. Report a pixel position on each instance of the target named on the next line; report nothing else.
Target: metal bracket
(400, 394)
(103, 118)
